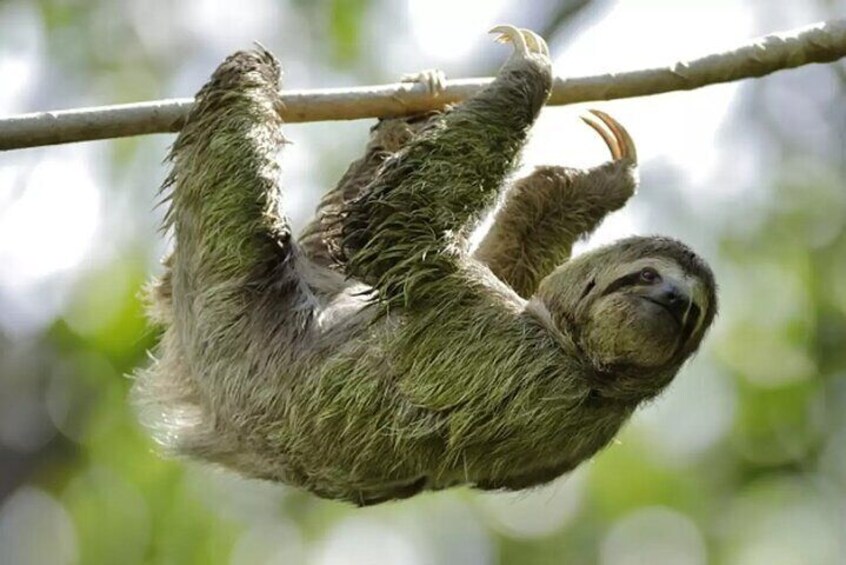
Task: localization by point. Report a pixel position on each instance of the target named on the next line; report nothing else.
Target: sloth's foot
(527, 44)
(433, 79)
(618, 140)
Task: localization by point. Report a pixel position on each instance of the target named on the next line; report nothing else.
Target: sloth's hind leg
(239, 307)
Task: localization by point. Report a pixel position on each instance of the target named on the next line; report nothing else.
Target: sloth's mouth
(685, 318)
(676, 314)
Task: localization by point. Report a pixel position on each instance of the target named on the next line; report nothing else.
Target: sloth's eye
(649, 275)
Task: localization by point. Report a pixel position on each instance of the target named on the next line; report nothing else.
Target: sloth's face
(640, 303)
(643, 313)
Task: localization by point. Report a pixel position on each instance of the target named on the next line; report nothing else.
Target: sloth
(380, 355)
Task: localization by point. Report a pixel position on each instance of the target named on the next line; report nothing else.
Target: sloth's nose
(672, 296)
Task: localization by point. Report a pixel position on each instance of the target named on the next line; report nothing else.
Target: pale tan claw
(535, 42)
(525, 41)
(615, 136)
(510, 34)
(433, 79)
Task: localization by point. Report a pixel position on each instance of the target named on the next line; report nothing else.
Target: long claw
(527, 44)
(606, 136)
(535, 42)
(627, 145)
(510, 34)
(615, 136)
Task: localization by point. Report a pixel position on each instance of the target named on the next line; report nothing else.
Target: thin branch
(819, 43)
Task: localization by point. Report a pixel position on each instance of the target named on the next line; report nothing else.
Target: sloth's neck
(537, 310)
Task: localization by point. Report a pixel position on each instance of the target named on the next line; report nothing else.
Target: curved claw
(615, 136)
(525, 40)
(510, 34)
(535, 42)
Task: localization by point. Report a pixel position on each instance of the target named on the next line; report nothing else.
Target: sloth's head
(635, 310)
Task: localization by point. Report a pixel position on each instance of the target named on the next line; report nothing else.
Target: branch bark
(819, 43)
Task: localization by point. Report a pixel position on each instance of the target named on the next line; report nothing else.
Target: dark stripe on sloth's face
(691, 321)
(630, 279)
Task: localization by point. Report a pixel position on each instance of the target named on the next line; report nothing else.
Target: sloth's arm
(544, 213)
(400, 236)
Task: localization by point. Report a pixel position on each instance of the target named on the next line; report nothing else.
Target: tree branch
(819, 43)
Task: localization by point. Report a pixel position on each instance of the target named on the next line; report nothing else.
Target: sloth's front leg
(403, 233)
(546, 212)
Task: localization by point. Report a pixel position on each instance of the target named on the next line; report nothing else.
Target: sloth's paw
(433, 79)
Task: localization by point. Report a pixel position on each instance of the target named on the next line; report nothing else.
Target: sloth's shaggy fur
(380, 358)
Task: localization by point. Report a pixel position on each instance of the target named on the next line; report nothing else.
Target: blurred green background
(741, 461)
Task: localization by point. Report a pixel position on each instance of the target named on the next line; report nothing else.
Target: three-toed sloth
(379, 355)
